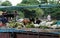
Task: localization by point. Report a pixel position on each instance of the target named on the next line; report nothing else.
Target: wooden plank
(4, 35)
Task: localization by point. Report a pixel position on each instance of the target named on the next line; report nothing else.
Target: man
(49, 17)
(3, 21)
(16, 15)
(38, 21)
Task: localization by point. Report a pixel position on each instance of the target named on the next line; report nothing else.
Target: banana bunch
(12, 24)
(30, 25)
(19, 25)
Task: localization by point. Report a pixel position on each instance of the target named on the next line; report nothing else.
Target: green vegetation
(13, 24)
(44, 27)
(33, 12)
(30, 25)
(28, 2)
(6, 3)
(55, 13)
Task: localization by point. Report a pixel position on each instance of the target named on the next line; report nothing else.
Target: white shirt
(49, 17)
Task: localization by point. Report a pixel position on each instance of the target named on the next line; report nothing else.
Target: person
(3, 21)
(16, 15)
(38, 21)
(26, 21)
(4, 13)
(49, 17)
(32, 20)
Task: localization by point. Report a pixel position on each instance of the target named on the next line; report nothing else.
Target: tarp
(32, 6)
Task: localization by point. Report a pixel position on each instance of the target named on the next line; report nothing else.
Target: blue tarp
(11, 30)
(15, 30)
(58, 22)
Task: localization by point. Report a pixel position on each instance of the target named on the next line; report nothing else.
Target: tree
(28, 2)
(53, 1)
(6, 3)
(43, 1)
(33, 12)
(29, 13)
(0, 2)
(55, 12)
(38, 11)
(32, 2)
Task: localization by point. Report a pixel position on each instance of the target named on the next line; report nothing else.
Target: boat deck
(29, 33)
